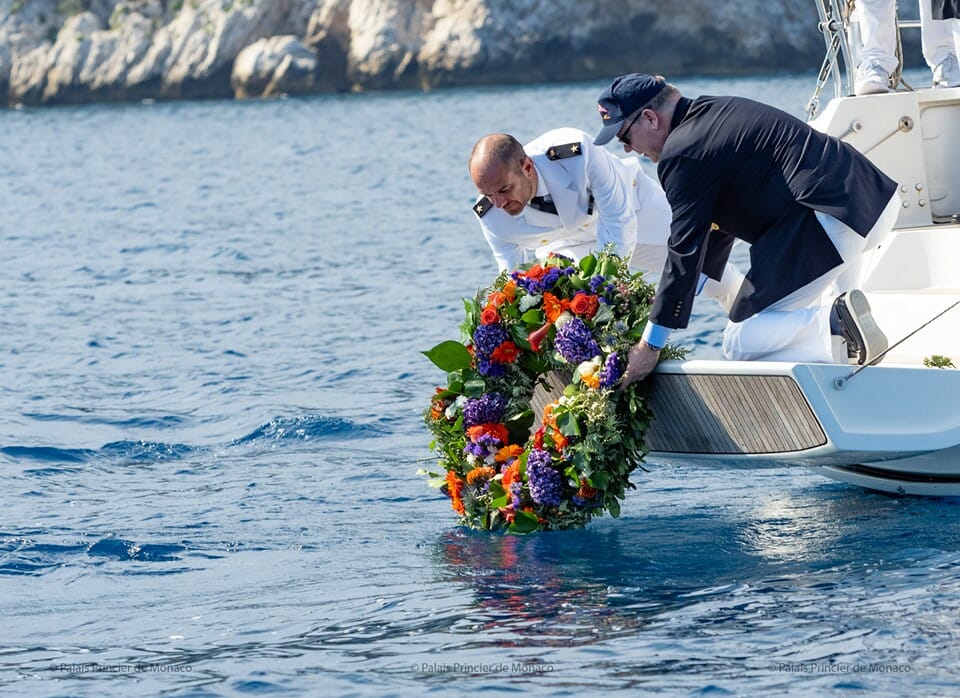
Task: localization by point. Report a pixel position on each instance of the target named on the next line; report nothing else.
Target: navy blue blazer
(734, 168)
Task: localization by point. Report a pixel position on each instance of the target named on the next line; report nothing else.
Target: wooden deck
(719, 414)
(729, 414)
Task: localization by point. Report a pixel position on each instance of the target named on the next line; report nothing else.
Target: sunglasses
(625, 138)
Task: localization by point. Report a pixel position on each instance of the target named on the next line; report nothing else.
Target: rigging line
(840, 382)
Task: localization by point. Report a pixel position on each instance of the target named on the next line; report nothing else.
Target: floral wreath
(575, 320)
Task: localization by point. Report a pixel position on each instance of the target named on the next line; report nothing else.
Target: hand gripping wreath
(531, 428)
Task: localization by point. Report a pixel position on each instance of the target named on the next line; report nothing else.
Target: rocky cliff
(69, 51)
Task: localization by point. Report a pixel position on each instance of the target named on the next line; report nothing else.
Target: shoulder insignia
(482, 206)
(567, 150)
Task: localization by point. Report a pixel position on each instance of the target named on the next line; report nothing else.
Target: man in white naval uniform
(940, 41)
(561, 193)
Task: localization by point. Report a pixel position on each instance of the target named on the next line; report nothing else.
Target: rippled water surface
(211, 315)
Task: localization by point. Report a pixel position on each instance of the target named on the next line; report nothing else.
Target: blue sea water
(211, 315)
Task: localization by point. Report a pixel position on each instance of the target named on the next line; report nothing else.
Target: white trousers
(939, 38)
(797, 327)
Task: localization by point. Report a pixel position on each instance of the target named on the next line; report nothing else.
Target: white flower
(562, 319)
(527, 302)
(587, 369)
(452, 408)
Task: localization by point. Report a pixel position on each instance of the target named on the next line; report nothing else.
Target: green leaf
(520, 337)
(474, 388)
(613, 506)
(588, 264)
(525, 522)
(604, 314)
(472, 310)
(499, 502)
(509, 311)
(600, 479)
(532, 317)
(568, 424)
(449, 356)
(519, 426)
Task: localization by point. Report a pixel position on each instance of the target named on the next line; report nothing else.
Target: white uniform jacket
(599, 197)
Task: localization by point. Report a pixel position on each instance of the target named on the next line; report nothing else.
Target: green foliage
(938, 361)
(449, 356)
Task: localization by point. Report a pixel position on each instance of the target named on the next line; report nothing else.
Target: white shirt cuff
(656, 335)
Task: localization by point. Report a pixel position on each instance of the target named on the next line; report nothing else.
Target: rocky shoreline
(77, 51)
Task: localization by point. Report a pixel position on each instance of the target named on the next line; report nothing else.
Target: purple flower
(611, 371)
(485, 445)
(487, 368)
(484, 409)
(515, 495)
(546, 483)
(544, 283)
(486, 339)
(592, 503)
(596, 282)
(575, 342)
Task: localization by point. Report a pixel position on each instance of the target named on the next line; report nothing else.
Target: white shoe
(871, 79)
(865, 339)
(947, 73)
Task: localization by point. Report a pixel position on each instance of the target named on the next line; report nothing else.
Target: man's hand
(641, 361)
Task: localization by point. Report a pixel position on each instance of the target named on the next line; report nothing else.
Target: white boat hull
(891, 428)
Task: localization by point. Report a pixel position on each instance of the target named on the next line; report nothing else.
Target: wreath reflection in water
(551, 319)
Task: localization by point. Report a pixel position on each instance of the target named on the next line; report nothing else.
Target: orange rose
(497, 298)
(584, 305)
(489, 315)
(535, 272)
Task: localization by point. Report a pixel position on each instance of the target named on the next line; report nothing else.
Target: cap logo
(604, 114)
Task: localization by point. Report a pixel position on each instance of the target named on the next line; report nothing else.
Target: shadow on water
(617, 577)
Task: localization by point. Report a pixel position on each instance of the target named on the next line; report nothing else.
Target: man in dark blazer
(807, 203)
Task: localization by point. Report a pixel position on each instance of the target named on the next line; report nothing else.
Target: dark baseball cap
(625, 95)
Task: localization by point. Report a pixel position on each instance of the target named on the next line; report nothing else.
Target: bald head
(495, 151)
(501, 171)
